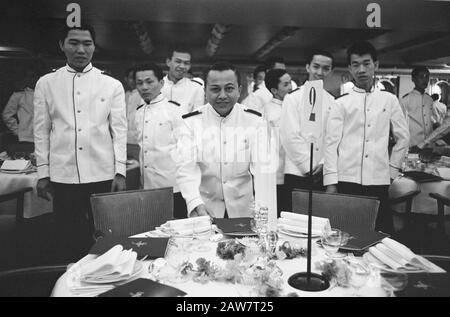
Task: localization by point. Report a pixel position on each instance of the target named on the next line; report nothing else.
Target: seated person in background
(357, 135)
(439, 111)
(156, 121)
(418, 107)
(19, 112)
(278, 82)
(217, 149)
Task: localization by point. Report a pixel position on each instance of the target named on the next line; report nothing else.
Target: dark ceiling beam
(422, 40)
(430, 51)
(284, 34)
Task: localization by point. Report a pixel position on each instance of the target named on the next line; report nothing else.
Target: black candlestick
(307, 281)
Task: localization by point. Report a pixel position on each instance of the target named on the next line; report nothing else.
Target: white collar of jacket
(277, 101)
(155, 100)
(166, 79)
(85, 70)
(363, 91)
(211, 108)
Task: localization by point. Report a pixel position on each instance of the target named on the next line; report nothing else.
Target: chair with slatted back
(350, 213)
(131, 212)
(442, 201)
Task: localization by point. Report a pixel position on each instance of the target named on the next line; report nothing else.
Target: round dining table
(163, 273)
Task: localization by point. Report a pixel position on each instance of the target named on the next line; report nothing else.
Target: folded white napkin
(186, 226)
(444, 172)
(113, 265)
(298, 223)
(16, 165)
(398, 257)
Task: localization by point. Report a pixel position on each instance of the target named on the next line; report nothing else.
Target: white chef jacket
(80, 126)
(357, 138)
(439, 112)
(293, 135)
(257, 99)
(217, 159)
(20, 104)
(157, 124)
(272, 114)
(133, 102)
(440, 132)
(419, 108)
(189, 94)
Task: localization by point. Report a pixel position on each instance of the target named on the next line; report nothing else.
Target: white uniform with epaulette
(419, 109)
(157, 123)
(292, 134)
(188, 93)
(357, 137)
(217, 159)
(80, 126)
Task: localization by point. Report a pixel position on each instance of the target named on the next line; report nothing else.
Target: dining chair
(30, 282)
(442, 201)
(130, 212)
(350, 213)
(19, 195)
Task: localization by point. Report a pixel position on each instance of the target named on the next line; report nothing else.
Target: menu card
(143, 288)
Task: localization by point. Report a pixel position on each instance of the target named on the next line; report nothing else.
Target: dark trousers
(292, 182)
(179, 206)
(384, 220)
(73, 215)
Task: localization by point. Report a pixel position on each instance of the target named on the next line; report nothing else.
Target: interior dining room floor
(32, 243)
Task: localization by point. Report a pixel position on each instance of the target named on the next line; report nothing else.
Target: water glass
(359, 272)
(332, 240)
(201, 233)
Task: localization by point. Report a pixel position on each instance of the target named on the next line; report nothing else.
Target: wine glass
(332, 240)
(201, 233)
(392, 281)
(359, 272)
(177, 256)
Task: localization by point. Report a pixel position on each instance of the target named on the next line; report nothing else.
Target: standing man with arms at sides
(357, 136)
(218, 149)
(278, 82)
(319, 66)
(418, 107)
(185, 92)
(157, 121)
(80, 131)
(132, 100)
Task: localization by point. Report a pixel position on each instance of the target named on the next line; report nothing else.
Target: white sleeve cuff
(330, 179)
(193, 204)
(43, 171)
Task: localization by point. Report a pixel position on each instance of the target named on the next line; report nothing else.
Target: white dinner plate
(297, 234)
(138, 268)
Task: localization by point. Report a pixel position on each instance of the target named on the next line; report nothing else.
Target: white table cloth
(224, 289)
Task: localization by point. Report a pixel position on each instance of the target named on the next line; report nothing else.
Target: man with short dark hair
(293, 132)
(157, 120)
(218, 148)
(418, 107)
(185, 92)
(357, 136)
(278, 82)
(80, 132)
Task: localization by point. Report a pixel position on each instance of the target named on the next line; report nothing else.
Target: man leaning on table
(217, 148)
(356, 159)
(80, 137)
(157, 121)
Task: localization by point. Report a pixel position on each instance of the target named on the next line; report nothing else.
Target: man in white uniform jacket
(218, 149)
(187, 93)
(157, 121)
(292, 132)
(80, 131)
(357, 136)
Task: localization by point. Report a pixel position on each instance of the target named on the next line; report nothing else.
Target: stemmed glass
(392, 281)
(359, 272)
(332, 240)
(176, 257)
(201, 233)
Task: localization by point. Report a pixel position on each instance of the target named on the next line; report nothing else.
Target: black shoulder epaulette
(294, 90)
(254, 112)
(197, 82)
(190, 114)
(336, 98)
(387, 91)
(405, 95)
(139, 107)
(175, 103)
